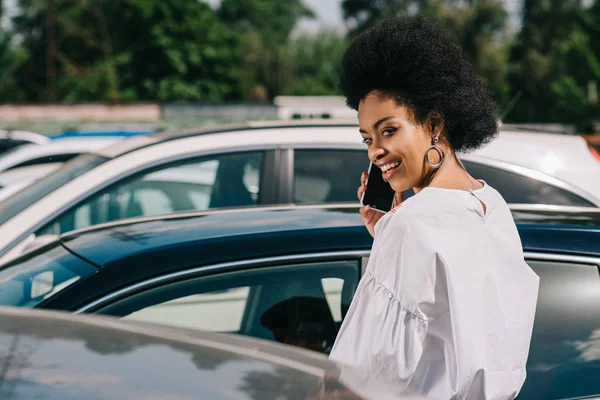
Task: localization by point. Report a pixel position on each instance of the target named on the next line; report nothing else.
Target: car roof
(139, 142)
(66, 356)
(230, 235)
(60, 146)
(224, 235)
(33, 137)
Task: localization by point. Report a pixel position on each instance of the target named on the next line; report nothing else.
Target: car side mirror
(42, 284)
(39, 241)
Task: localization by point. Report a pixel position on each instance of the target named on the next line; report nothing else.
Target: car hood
(66, 356)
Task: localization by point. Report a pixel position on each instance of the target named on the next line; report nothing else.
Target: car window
(9, 144)
(564, 359)
(519, 189)
(230, 180)
(18, 202)
(56, 158)
(40, 274)
(325, 176)
(280, 303)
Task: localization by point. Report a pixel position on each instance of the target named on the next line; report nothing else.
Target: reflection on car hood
(64, 356)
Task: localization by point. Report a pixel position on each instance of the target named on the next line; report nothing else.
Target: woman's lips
(390, 172)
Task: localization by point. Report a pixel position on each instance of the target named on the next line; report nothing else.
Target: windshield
(40, 274)
(24, 198)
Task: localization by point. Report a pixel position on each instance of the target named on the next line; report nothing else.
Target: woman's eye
(388, 132)
(366, 140)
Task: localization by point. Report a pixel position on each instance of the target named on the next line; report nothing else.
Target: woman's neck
(451, 175)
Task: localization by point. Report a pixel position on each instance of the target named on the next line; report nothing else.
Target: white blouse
(447, 303)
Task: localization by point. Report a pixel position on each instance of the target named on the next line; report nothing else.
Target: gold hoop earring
(437, 148)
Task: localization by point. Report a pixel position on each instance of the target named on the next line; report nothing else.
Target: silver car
(48, 355)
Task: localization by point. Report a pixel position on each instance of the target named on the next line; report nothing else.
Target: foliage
(361, 14)
(554, 59)
(183, 50)
(122, 50)
(317, 63)
(266, 26)
(275, 20)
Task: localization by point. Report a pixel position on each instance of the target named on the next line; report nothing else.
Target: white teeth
(387, 167)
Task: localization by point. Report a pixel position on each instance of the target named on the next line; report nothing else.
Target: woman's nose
(376, 153)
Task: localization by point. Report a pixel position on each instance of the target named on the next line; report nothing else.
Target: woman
(447, 302)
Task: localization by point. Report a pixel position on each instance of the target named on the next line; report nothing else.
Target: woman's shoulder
(426, 204)
(414, 215)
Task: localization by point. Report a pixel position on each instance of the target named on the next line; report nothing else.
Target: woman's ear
(436, 123)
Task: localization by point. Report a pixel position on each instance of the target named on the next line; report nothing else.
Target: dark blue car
(289, 275)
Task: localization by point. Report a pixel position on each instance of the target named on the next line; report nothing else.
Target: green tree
(11, 55)
(266, 26)
(125, 50)
(175, 50)
(361, 14)
(553, 60)
(481, 29)
(316, 66)
(275, 20)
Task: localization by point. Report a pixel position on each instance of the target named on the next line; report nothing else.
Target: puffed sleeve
(385, 329)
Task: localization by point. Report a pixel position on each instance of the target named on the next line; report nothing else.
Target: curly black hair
(422, 67)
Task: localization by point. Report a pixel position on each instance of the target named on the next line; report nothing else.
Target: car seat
(303, 321)
(229, 189)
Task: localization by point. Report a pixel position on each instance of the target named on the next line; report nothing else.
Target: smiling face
(396, 142)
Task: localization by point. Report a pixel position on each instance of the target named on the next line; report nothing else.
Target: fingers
(363, 186)
(367, 214)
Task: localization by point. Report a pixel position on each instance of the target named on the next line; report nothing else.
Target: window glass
(40, 274)
(326, 176)
(218, 311)
(18, 202)
(230, 180)
(332, 287)
(9, 144)
(564, 358)
(519, 189)
(288, 304)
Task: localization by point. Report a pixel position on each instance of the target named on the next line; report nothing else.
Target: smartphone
(379, 194)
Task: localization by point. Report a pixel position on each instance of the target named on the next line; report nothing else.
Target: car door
(193, 184)
(296, 300)
(564, 358)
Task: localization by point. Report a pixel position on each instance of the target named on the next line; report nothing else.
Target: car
(7, 191)
(105, 130)
(58, 151)
(9, 139)
(15, 179)
(22, 166)
(593, 142)
(253, 164)
(270, 272)
(565, 160)
(53, 355)
(27, 173)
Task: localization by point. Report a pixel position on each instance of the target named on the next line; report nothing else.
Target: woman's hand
(370, 216)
